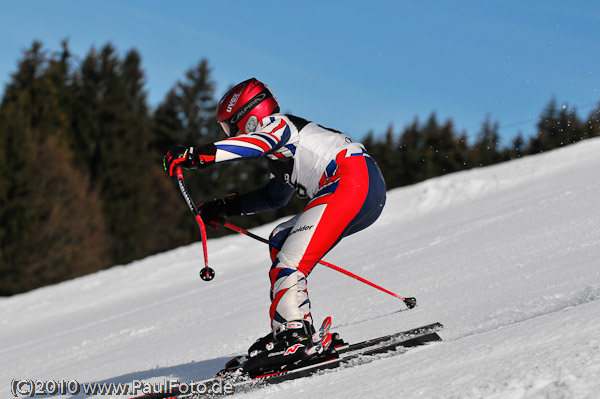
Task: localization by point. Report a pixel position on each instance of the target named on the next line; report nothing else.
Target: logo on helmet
(247, 107)
(233, 101)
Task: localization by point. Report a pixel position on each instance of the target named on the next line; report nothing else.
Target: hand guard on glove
(189, 158)
(216, 211)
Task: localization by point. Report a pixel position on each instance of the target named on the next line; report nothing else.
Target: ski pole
(409, 302)
(206, 273)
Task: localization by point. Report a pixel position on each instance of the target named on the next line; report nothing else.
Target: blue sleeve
(273, 195)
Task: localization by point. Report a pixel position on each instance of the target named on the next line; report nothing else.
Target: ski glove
(189, 158)
(214, 212)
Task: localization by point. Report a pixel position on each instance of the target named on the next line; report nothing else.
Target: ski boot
(293, 344)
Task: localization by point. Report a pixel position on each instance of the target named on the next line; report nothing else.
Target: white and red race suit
(344, 185)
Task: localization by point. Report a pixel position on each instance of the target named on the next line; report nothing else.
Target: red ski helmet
(246, 104)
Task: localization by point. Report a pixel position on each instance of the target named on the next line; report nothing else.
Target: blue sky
(355, 66)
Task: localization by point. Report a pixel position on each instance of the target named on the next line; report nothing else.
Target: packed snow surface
(506, 257)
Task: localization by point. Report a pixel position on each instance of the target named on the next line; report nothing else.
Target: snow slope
(506, 257)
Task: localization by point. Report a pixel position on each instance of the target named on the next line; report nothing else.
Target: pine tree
(570, 128)
(411, 153)
(112, 136)
(543, 140)
(52, 228)
(592, 126)
(452, 151)
(167, 125)
(485, 151)
(516, 149)
(433, 142)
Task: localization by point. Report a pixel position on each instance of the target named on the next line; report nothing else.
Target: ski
(236, 363)
(359, 353)
(395, 336)
(343, 355)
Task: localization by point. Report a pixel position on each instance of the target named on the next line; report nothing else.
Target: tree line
(82, 186)
(425, 150)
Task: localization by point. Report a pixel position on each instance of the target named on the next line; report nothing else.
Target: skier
(343, 183)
